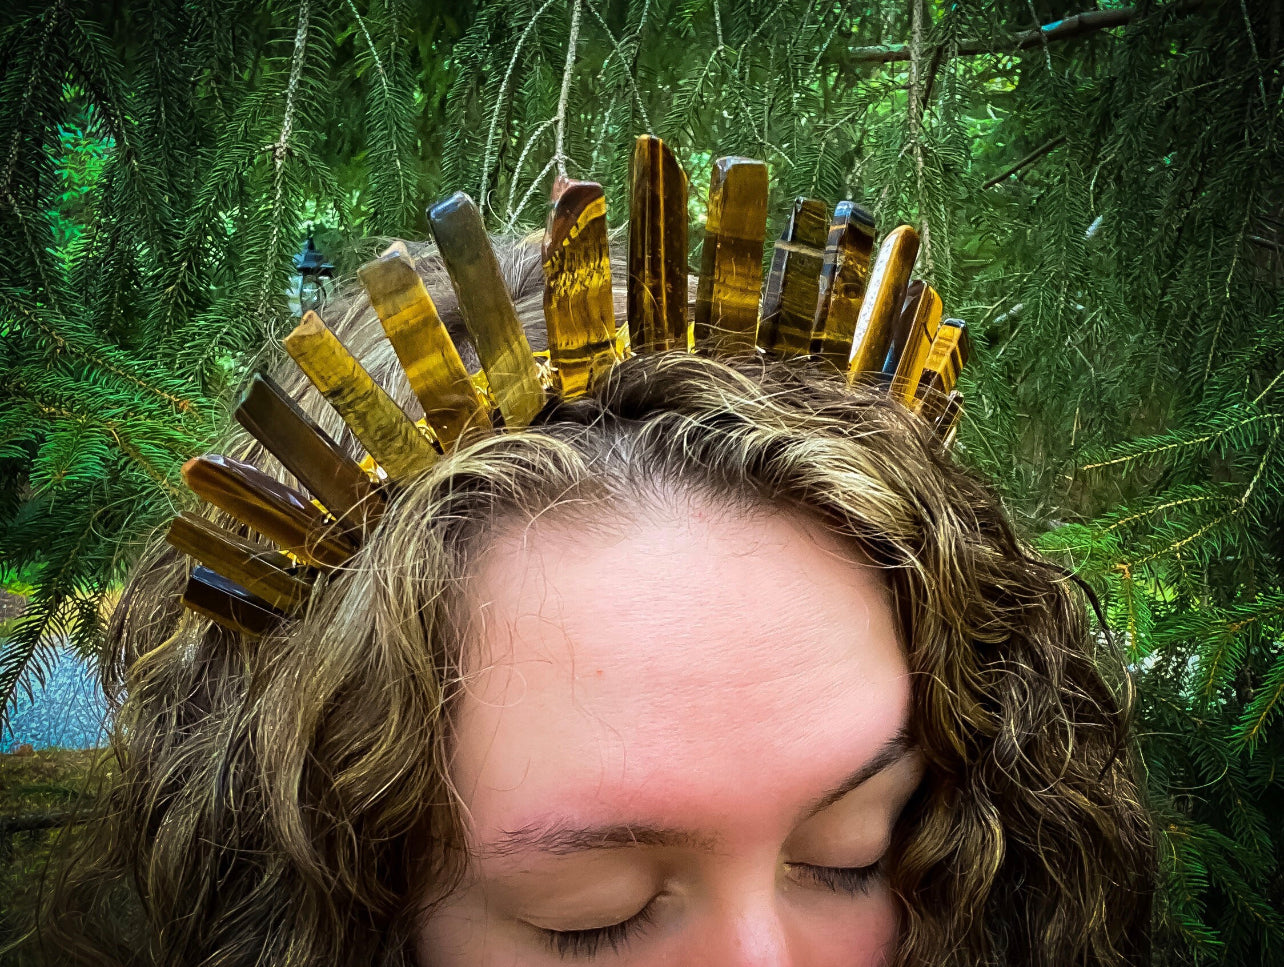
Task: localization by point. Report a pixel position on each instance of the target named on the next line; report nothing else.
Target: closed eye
(848, 880)
(573, 944)
(589, 942)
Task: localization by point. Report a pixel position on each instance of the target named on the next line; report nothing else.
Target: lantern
(313, 271)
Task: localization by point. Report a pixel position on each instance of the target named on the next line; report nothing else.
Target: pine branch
(280, 152)
(158, 173)
(488, 158)
(625, 63)
(40, 62)
(97, 358)
(1069, 28)
(392, 137)
(41, 622)
(559, 149)
(1044, 149)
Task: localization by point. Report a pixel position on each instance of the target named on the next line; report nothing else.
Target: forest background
(1101, 197)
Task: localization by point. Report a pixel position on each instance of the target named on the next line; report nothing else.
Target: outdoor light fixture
(313, 271)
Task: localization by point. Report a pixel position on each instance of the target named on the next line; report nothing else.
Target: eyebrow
(890, 752)
(560, 838)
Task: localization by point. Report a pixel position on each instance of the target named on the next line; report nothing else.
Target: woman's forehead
(666, 656)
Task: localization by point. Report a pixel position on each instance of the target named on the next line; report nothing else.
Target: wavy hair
(287, 800)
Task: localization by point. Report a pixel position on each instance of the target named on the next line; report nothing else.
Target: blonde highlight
(288, 800)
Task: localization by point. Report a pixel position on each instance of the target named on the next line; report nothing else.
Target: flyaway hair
(284, 792)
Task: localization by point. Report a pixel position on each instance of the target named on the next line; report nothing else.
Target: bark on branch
(33, 821)
(1067, 29)
(1029, 159)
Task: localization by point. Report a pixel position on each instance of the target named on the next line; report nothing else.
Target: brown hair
(287, 800)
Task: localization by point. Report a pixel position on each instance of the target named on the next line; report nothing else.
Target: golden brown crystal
(949, 354)
(726, 309)
(883, 302)
(427, 354)
(378, 422)
(844, 277)
(279, 513)
(488, 311)
(307, 451)
(919, 322)
(577, 288)
(793, 284)
(260, 569)
(214, 596)
(657, 288)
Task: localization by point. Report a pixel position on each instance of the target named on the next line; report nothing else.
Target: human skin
(676, 700)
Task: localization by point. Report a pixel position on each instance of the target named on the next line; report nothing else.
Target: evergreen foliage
(1106, 209)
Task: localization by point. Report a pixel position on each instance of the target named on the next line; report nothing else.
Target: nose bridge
(752, 931)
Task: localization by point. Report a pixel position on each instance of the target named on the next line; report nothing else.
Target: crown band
(822, 300)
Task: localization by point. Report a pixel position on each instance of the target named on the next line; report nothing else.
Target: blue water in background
(66, 712)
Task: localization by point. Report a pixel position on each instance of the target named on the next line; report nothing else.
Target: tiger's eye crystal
(427, 354)
(726, 309)
(226, 602)
(380, 424)
(950, 351)
(307, 451)
(912, 340)
(793, 285)
(577, 287)
(488, 311)
(278, 512)
(844, 276)
(884, 301)
(900, 331)
(657, 289)
(258, 568)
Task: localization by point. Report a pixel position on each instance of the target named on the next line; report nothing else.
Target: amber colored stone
(881, 308)
(258, 568)
(428, 355)
(307, 451)
(279, 513)
(487, 309)
(657, 289)
(900, 330)
(793, 284)
(912, 340)
(577, 288)
(950, 351)
(378, 422)
(226, 602)
(726, 308)
(844, 276)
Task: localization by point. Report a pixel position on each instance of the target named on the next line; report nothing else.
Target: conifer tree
(1101, 197)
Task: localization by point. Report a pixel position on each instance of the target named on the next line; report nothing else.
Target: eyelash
(848, 880)
(588, 943)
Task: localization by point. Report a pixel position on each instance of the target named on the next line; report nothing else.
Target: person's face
(683, 744)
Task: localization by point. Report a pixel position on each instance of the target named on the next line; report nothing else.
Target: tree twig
(488, 156)
(1067, 29)
(938, 58)
(916, 108)
(280, 150)
(628, 65)
(36, 821)
(1043, 37)
(1029, 159)
(559, 153)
